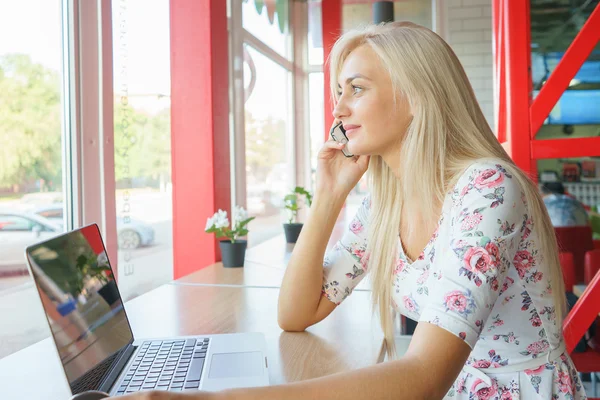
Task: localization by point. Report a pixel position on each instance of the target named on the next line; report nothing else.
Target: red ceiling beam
(566, 69)
(565, 148)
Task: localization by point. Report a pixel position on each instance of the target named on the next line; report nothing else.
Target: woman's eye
(356, 89)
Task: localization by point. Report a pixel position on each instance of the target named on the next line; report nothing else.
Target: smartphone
(339, 135)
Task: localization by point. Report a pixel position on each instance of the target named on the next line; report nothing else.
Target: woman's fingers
(332, 144)
(329, 148)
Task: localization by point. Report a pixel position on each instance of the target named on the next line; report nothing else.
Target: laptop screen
(80, 298)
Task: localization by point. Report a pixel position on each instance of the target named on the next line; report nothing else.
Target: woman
(453, 234)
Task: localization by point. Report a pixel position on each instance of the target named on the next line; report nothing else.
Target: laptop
(94, 340)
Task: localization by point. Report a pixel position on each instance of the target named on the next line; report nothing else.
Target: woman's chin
(356, 149)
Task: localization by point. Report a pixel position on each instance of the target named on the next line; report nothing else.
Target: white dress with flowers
(481, 278)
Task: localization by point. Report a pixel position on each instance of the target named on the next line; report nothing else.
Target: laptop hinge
(117, 368)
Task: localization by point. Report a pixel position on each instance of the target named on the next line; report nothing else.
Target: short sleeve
(487, 213)
(345, 265)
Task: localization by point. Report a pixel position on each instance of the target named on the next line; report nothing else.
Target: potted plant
(292, 228)
(233, 250)
(93, 266)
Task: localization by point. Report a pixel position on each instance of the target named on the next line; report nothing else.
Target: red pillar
(498, 44)
(332, 28)
(518, 77)
(199, 128)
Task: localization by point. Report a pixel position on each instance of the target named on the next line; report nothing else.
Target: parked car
(17, 231)
(31, 201)
(131, 233)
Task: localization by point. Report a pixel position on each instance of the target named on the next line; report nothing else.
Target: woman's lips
(350, 128)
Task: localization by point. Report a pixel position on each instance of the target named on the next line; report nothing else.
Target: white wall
(417, 11)
(467, 27)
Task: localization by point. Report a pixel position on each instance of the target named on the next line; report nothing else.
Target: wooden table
(349, 338)
(264, 266)
(251, 275)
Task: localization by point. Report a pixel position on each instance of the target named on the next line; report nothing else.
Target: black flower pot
(292, 231)
(233, 254)
(109, 292)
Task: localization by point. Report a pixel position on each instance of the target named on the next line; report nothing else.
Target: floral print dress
(482, 278)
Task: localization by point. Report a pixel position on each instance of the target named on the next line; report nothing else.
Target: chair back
(567, 264)
(591, 265)
(576, 240)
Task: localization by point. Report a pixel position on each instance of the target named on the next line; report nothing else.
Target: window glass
(31, 172)
(269, 22)
(315, 33)
(142, 112)
(13, 223)
(269, 156)
(317, 120)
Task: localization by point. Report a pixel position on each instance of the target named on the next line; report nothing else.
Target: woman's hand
(337, 173)
(162, 395)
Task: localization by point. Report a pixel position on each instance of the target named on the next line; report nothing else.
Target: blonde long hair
(424, 69)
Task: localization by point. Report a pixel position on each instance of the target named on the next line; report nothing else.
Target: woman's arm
(432, 363)
(300, 302)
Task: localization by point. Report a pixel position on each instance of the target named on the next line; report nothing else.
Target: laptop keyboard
(174, 365)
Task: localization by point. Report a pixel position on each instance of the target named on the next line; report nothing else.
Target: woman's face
(374, 124)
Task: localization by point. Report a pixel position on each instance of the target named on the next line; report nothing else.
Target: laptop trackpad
(236, 365)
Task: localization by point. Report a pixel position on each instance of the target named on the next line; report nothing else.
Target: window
(31, 155)
(315, 34)
(142, 137)
(269, 153)
(264, 115)
(268, 21)
(52, 214)
(12, 223)
(317, 120)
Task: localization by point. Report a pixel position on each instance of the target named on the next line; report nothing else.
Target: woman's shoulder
(491, 179)
(485, 174)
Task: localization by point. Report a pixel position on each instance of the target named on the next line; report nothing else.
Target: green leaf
(291, 198)
(307, 195)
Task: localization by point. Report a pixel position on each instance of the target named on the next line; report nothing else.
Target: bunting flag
(274, 7)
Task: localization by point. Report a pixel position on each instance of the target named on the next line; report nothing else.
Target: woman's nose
(341, 110)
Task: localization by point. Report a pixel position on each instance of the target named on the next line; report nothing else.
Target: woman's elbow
(291, 325)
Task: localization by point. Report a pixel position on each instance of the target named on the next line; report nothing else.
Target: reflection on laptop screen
(80, 298)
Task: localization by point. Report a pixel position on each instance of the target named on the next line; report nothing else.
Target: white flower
(239, 215)
(209, 223)
(220, 219)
